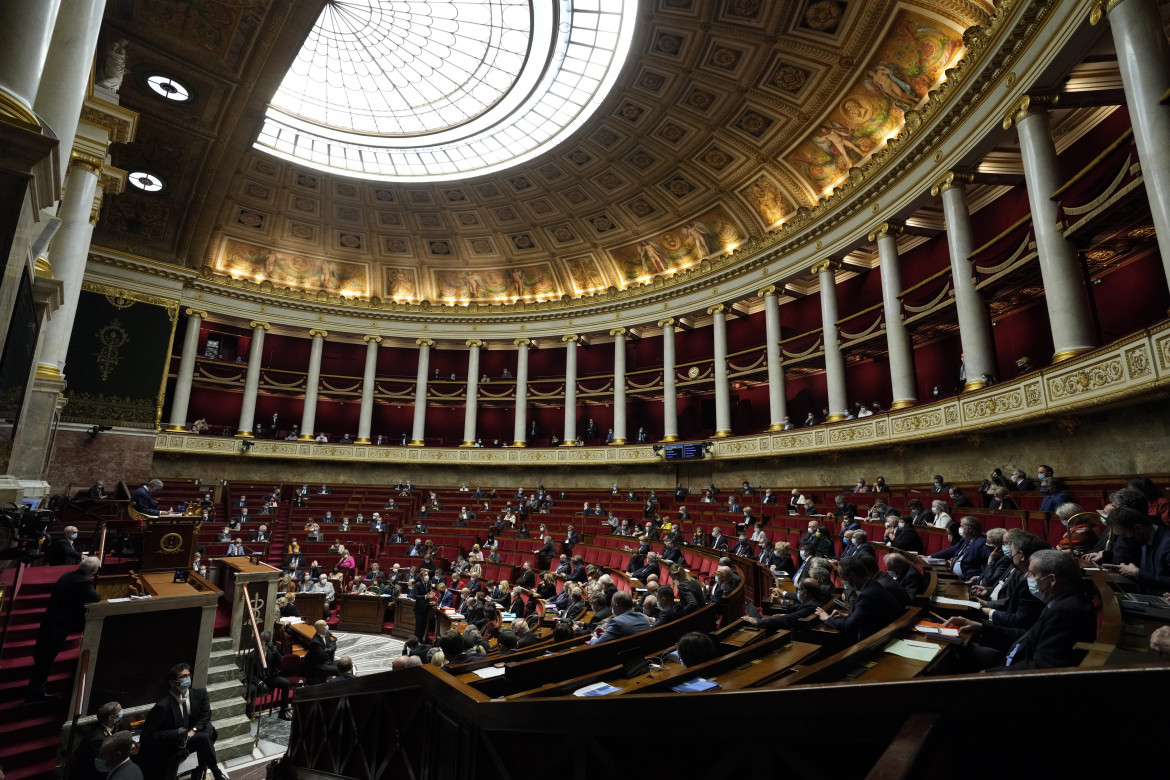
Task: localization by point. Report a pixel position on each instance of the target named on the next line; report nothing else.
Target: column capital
(317, 333)
(196, 313)
(618, 332)
(1028, 104)
(424, 343)
(718, 308)
(767, 290)
(372, 339)
(668, 322)
(1100, 10)
(949, 180)
(570, 338)
(257, 324)
(889, 228)
(87, 160)
(522, 342)
(473, 343)
(828, 264)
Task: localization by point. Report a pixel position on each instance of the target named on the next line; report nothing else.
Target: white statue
(113, 67)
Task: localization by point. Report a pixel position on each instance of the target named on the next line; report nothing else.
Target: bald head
(89, 566)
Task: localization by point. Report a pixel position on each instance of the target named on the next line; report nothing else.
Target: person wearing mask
(177, 725)
(873, 609)
(114, 755)
(63, 552)
(969, 554)
(1152, 572)
(810, 595)
(86, 760)
(939, 509)
(319, 665)
(269, 676)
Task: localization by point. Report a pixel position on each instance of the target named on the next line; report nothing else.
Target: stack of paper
(596, 689)
(917, 651)
(695, 685)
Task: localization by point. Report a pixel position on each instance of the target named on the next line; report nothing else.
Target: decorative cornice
(828, 264)
(473, 343)
(200, 313)
(12, 111)
(522, 342)
(618, 332)
(666, 323)
(949, 180)
(767, 290)
(718, 308)
(258, 324)
(317, 332)
(112, 180)
(889, 228)
(1028, 104)
(372, 339)
(119, 122)
(424, 342)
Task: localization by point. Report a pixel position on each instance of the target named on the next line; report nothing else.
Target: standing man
(319, 655)
(143, 498)
(64, 616)
(177, 725)
(270, 676)
(419, 592)
(62, 552)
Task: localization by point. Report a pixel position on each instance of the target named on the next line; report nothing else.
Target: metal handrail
(80, 677)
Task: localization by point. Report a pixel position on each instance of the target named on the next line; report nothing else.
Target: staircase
(32, 731)
(228, 703)
(279, 530)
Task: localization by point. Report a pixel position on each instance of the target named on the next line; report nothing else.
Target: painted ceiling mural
(730, 116)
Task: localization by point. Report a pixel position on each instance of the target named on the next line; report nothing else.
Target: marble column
(974, 321)
(834, 359)
(619, 385)
(722, 386)
(777, 393)
(312, 383)
(1143, 58)
(903, 380)
(519, 434)
(369, 379)
(570, 438)
(669, 382)
(252, 380)
(25, 31)
(473, 347)
(418, 429)
(182, 398)
(1069, 316)
(67, 68)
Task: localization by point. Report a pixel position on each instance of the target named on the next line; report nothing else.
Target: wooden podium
(168, 542)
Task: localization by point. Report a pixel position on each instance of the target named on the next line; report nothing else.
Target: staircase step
(232, 727)
(225, 673)
(227, 749)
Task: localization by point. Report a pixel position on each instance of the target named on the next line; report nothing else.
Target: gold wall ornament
(668, 322)
(764, 292)
(113, 337)
(424, 343)
(570, 338)
(828, 264)
(473, 343)
(522, 342)
(200, 313)
(317, 332)
(952, 178)
(618, 332)
(1100, 10)
(119, 301)
(12, 111)
(87, 161)
(253, 324)
(718, 308)
(112, 180)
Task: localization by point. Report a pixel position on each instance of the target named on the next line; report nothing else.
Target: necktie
(186, 712)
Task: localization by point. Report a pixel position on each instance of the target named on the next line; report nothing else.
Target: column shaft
(834, 358)
(619, 385)
(903, 380)
(182, 397)
(418, 429)
(25, 31)
(312, 382)
(369, 377)
(777, 393)
(472, 393)
(974, 321)
(669, 382)
(519, 436)
(570, 390)
(722, 386)
(252, 381)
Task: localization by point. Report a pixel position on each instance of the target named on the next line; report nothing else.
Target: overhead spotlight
(95, 430)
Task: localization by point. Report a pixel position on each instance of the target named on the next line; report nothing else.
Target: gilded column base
(668, 438)
(176, 429)
(896, 405)
(721, 434)
(618, 441)
(1066, 354)
(362, 441)
(835, 418)
(568, 444)
(306, 437)
(416, 443)
(245, 435)
(467, 444)
(776, 427)
(974, 384)
(519, 444)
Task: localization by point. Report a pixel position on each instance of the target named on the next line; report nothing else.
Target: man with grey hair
(625, 621)
(906, 575)
(114, 754)
(1068, 617)
(143, 498)
(405, 662)
(63, 552)
(1111, 548)
(65, 615)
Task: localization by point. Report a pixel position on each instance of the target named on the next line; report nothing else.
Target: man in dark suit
(1068, 617)
(1143, 531)
(858, 544)
(260, 535)
(969, 554)
(571, 541)
(62, 552)
(906, 538)
(769, 497)
(92, 737)
(270, 676)
(419, 592)
(115, 753)
(743, 547)
(65, 615)
(179, 724)
(668, 607)
(819, 538)
(579, 572)
(319, 665)
(651, 567)
(812, 595)
(844, 509)
(225, 534)
(546, 553)
(98, 491)
(625, 621)
(143, 498)
(680, 492)
(718, 540)
(577, 605)
(905, 574)
(874, 608)
(294, 562)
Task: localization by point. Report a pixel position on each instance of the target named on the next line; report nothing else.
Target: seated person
(625, 621)
(969, 554)
(1144, 531)
(905, 574)
(810, 596)
(874, 608)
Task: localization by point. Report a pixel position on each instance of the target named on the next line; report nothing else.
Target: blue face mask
(119, 716)
(185, 683)
(1034, 589)
(803, 555)
(72, 536)
(1007, 550)
(800, 596)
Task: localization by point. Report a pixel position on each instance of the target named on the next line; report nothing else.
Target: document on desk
(596, 689)
(956, 602)
(696, 685)
(488, 672)
(916, 651)
(937, 630)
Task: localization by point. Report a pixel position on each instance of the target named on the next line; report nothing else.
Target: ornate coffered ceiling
(730, 115)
